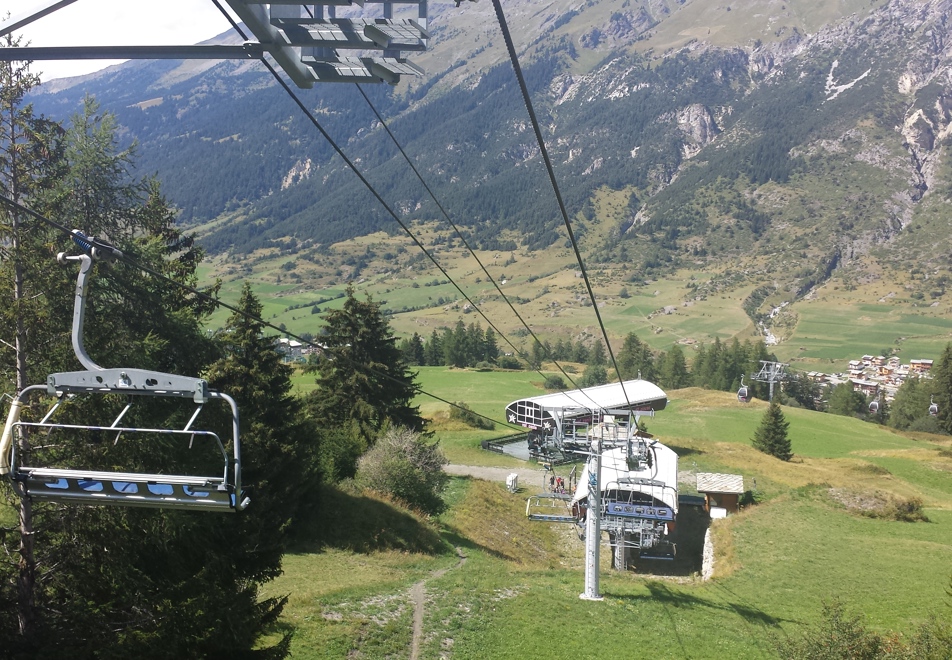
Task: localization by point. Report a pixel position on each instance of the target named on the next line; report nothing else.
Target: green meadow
(514, 594)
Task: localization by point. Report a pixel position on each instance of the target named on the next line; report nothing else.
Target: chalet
(290, 348)
(867, 387)
(920, 366)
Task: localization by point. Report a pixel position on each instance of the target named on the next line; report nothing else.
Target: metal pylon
(593, 525)
(770, 373)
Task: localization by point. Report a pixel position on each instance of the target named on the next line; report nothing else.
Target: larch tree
(29, 158)
(114, 582)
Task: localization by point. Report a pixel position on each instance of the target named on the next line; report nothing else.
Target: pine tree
(846, 401)
(433, 350)
(635, 359)
(28, 160)
(598, 357)
(492, 349)
(113, 581)
(674, 369)
(910, 404)
(771, 436)
(277, 441)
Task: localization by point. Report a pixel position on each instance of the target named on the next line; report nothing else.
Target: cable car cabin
(873, 407)
(66, 458)
(743, 394)
(933, 409)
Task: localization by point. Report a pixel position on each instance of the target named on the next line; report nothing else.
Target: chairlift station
(629, 479)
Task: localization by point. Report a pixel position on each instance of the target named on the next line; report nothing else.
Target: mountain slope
(794, 139)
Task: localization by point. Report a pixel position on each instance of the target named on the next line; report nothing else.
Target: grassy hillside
(516, 593)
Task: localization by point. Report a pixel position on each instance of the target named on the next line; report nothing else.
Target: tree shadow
(662, 593)
(455, 537)
(362, 524)
(684, 451)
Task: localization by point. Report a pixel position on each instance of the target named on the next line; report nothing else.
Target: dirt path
(418, 596)
(529, 478)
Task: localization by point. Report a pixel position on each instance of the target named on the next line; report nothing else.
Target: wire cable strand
(507, 37)
(294, 97)
(120, 256)
(462, 238)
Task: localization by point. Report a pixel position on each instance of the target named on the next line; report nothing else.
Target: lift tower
(770, 373)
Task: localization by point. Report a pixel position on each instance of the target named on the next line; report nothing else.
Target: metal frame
(304, 39)
(91, 486)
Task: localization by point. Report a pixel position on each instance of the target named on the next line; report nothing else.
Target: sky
(114, 23)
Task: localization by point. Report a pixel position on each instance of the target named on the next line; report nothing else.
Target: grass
(516, 593)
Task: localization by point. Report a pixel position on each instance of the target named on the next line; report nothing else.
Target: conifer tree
(910, 404)
(942, 388)
(598, 357)
(771, 436)
(120, 582)
(635, 359)
(674, 369)
(363, 382)
(491, 347)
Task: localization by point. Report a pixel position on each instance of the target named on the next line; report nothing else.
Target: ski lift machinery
(204, 492)
(629, 480)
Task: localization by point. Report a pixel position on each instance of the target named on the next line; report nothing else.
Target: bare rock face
(623, 28)
(697, 122)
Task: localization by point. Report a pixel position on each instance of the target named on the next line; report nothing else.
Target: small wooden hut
(720, 490)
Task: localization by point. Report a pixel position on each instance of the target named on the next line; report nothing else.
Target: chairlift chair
(218, 491)
(743, 394)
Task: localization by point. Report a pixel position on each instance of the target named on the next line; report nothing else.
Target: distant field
(833, 327)
(841, 321)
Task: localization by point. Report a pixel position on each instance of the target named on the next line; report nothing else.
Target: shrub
(839, 634)
(403, 465)
(909, 510)
(554, 383)
(463, 413)
(509, 362)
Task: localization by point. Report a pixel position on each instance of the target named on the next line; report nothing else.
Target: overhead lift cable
(504, 27)
(125, 258)
(290, 92)
(462, 238)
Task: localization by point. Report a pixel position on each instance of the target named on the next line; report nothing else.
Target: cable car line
(294, 97)
(462, 238)
(504, 27)
(120, 256)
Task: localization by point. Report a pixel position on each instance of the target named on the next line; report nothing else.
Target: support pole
(593, 527)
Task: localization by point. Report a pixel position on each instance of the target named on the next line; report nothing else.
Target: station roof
(628, 395)
(709, 482)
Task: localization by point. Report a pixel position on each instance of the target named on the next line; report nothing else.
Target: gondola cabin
(743, 394)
